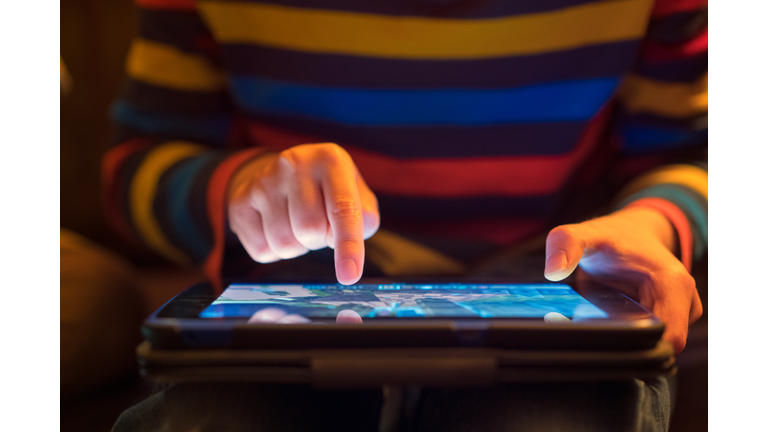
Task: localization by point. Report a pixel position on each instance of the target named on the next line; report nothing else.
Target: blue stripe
(641, 139)
(179, 187)
(562, 101)
(206, 128)
(638, 121)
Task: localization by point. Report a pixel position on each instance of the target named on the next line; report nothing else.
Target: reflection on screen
(404, 300)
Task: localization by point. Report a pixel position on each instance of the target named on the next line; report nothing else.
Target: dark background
(95, 35)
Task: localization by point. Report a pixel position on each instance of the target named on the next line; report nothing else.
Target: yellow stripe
(685, 175)
(143, 191)
(399, 256)
(166, 66)
(675, 100)
(335, 32)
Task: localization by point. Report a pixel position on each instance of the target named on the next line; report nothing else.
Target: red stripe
(497, 231)
(182, 5)
(656, 52)
(679, 221)
(669, 7)
(453, 178)
(216, 197)
(110, 167)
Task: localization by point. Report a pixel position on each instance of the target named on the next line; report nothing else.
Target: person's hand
(278, 316)
(305, 198)
(631, 250)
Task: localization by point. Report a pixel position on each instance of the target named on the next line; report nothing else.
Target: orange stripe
(453, 178)
(183, 5)
(110, 166)
(669, 99)
(678, 220)
(217, 211)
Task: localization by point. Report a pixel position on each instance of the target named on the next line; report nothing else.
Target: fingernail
(293, 319)
(266, 316)
(348, 272)
(348, 316)
(556, 263)
(556, 318)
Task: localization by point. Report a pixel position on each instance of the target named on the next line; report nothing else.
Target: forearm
(173, 121)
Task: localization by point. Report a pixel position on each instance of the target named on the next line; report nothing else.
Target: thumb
(348, 316)
(565, 246)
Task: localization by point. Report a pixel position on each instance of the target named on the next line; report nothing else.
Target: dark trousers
(630, 405)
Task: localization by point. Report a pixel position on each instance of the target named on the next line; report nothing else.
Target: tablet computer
(413, 332)
(500, 314)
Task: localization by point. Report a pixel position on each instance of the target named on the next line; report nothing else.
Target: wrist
(653, 221)
(679, 222)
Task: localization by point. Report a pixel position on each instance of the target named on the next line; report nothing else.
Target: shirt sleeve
(661, 121)
(166, 178)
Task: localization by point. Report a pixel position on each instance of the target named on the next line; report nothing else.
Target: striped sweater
(482, 122)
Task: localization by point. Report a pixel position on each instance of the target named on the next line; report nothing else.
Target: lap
(235, 407)
(630, 405)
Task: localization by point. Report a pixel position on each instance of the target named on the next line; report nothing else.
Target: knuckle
(696, 315)
(371, 219)
(262, 254)
(292, 159)
(350, 246)
(237, 213)
(283, 244)
(261, 202)
(255, 243)
(308, 156)
(673, 284)
(286, 164)
(266, 183)
(346, 208)
(286, 246)
(265, 258)
(333, 153)
(688, 281)
(289, 153)
(563, 232)
(682, 278)
(310, 227)
(368, 200)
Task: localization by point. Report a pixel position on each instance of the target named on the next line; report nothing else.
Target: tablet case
(373, 367)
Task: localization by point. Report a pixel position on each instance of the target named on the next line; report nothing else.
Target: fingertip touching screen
(401, 300)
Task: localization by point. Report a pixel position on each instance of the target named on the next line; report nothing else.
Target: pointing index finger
(344, 211)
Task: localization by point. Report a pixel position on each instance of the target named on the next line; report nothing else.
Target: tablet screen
(394, 300)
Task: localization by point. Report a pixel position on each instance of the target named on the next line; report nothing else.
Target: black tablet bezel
(629, 326)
